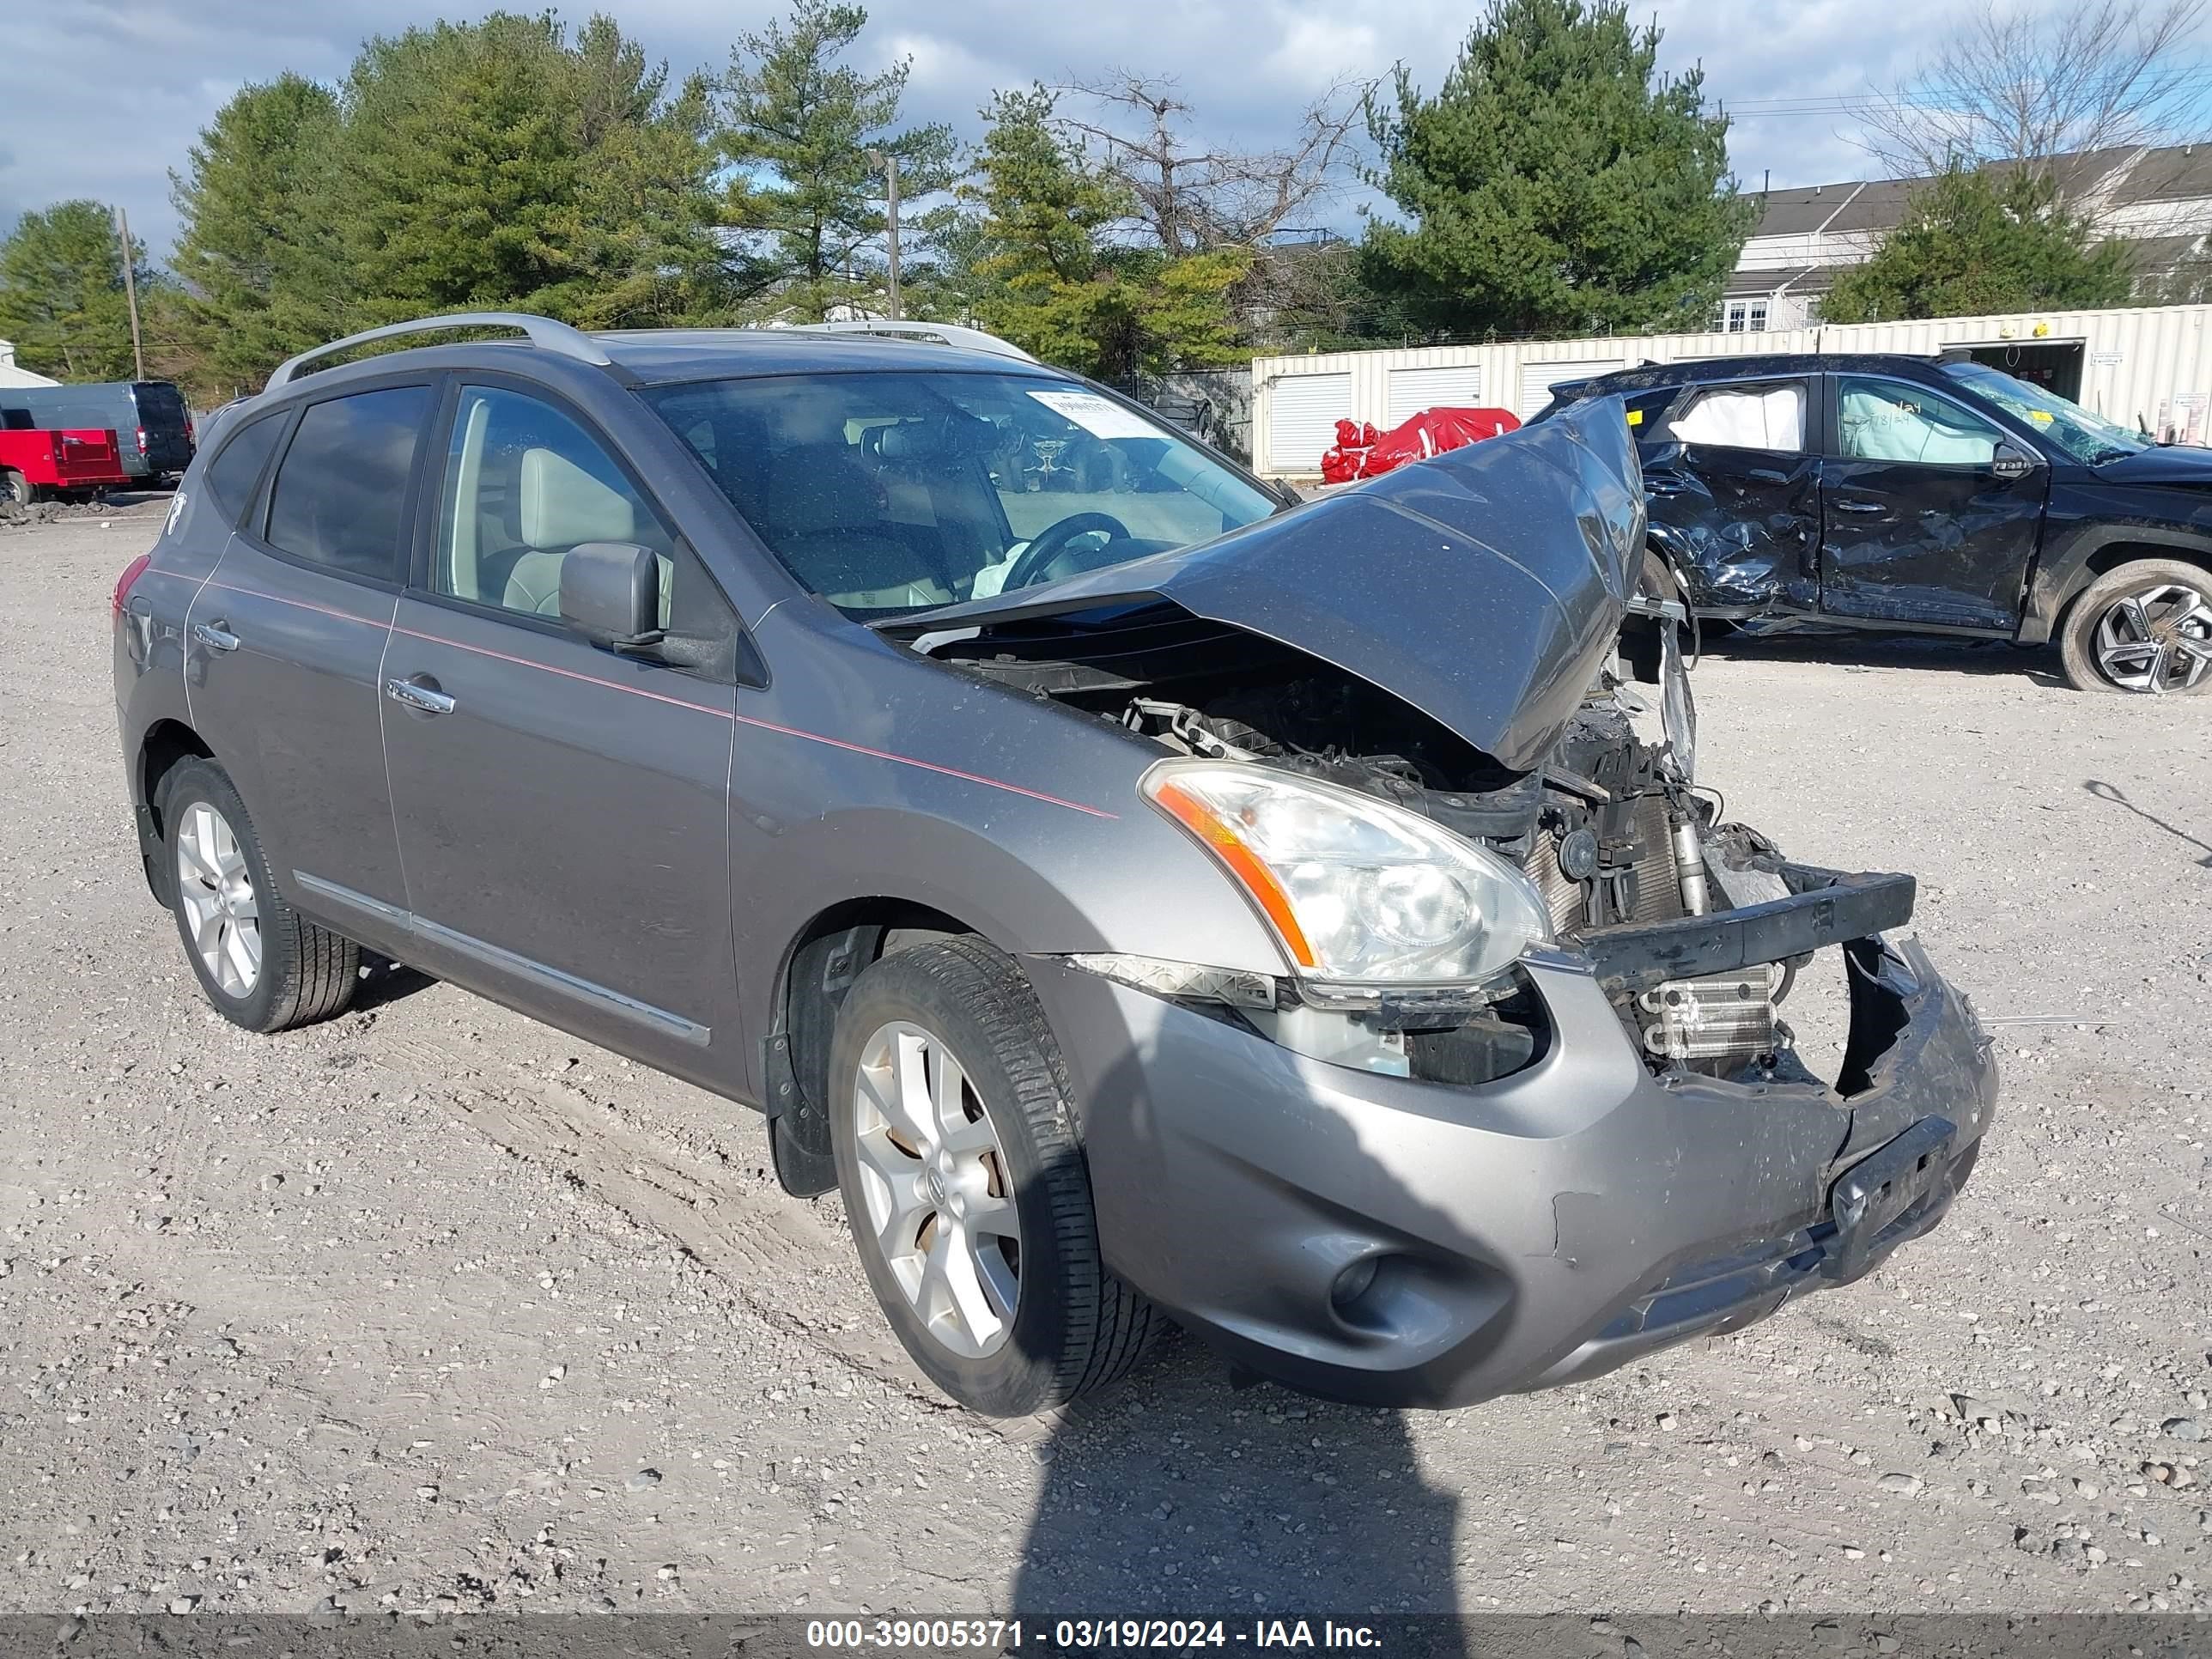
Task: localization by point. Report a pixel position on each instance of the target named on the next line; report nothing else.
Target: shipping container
(2146, 367)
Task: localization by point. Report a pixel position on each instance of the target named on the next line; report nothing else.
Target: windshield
(890, 493)
(2088, 437)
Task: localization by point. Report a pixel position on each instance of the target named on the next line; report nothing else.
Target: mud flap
(798, 1128)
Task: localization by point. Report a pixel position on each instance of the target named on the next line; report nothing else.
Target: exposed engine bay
(1610, 827)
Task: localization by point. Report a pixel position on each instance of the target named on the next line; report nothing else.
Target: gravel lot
(431, 1307)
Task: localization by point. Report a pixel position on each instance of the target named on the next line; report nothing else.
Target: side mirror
(2012, 462)
(610, 594)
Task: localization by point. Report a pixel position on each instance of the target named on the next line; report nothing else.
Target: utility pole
(130, 290)
(889, 163)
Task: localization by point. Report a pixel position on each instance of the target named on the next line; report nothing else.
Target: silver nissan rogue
(1145, 897)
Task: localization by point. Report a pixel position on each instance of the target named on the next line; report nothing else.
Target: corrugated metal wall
(2147, 364)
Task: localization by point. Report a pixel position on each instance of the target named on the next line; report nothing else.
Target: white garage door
(1537, 380)
(1303, 410)
(1412, 390)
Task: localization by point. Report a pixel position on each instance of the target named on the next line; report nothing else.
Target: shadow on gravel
(2115, 794)
(384, 981)
(1177, 1494)
(2036, 663)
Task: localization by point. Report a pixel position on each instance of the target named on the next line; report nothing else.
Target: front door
(1734, 487)
(562, 810)
(284, 641)
(1932, 517)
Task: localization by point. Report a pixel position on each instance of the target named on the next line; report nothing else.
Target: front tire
(2145, 627)
(262, 965)
(966, 1187)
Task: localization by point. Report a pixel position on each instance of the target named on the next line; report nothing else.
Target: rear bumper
(1529, 1232)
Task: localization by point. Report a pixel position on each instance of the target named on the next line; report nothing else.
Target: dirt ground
(433, 1308)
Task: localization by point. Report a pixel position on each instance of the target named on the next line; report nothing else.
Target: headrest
(564, 505)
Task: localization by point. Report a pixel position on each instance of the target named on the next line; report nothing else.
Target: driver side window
(524, 484)
(1893, 420)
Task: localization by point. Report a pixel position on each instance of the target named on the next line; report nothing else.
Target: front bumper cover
(1532, 1231)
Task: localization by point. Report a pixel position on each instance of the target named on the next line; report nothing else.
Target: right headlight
(1360, 892)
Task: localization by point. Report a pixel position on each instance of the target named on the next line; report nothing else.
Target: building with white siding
(11, 375)
(2159, 199)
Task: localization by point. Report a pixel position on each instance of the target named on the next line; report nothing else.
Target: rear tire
(262, 965)
(2145, 622)
(15, 487)
(1004, 1338)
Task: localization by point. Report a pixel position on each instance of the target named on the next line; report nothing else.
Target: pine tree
(495, 165)
(798, 124)
(1974, 243)
(1556, 181)
(1057, 284)
(61, 299)
(258, 252)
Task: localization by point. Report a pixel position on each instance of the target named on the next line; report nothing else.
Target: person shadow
(1193, 1489)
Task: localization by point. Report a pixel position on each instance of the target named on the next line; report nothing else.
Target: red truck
(35, 465)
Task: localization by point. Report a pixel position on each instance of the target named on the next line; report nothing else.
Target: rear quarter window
(231, 476)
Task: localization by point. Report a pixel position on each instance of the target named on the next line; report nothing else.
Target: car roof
(663, 356)
(1692, 371)
(655, 356)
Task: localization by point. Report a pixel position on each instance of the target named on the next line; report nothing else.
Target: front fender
(2066, 565)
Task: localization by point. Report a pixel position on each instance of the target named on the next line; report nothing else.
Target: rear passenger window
(231, 475)
(1769, 417)
(340, 489)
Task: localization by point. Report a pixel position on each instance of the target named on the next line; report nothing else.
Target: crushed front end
(1432, 1198)
(1434, 1194)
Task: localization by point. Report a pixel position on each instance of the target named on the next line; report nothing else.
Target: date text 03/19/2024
(1010, 1635)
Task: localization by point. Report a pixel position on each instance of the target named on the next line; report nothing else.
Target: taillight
(142, 441)
(131, 572)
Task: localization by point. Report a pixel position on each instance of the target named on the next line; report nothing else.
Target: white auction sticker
(1101, 417)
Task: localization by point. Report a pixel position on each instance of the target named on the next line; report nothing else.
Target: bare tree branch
(2017, 85)
(1190, 200)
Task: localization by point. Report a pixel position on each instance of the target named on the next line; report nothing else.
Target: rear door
(563, 808)
(283, 643)
(1932, 510)
(165, 427)
(1733, 480)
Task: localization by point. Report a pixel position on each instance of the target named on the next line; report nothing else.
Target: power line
(1936, 99)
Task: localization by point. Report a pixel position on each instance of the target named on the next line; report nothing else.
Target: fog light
(1354, 1282)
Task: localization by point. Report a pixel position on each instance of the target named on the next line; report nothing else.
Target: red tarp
(1362, 453)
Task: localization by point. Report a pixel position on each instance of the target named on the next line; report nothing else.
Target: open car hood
(1485, 587)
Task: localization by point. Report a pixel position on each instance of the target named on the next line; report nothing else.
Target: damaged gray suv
(1147, 899)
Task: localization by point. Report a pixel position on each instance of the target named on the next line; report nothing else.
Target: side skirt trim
(555, 980)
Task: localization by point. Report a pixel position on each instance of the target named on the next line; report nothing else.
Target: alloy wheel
(940, 1204)
(2159, 639)
(215, 890)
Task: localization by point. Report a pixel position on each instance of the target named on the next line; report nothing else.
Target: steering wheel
(1052, 541)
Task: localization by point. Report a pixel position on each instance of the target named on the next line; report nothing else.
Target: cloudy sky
(101, 98)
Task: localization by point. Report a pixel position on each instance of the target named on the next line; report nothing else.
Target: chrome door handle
(420, 698)
(215, 636)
